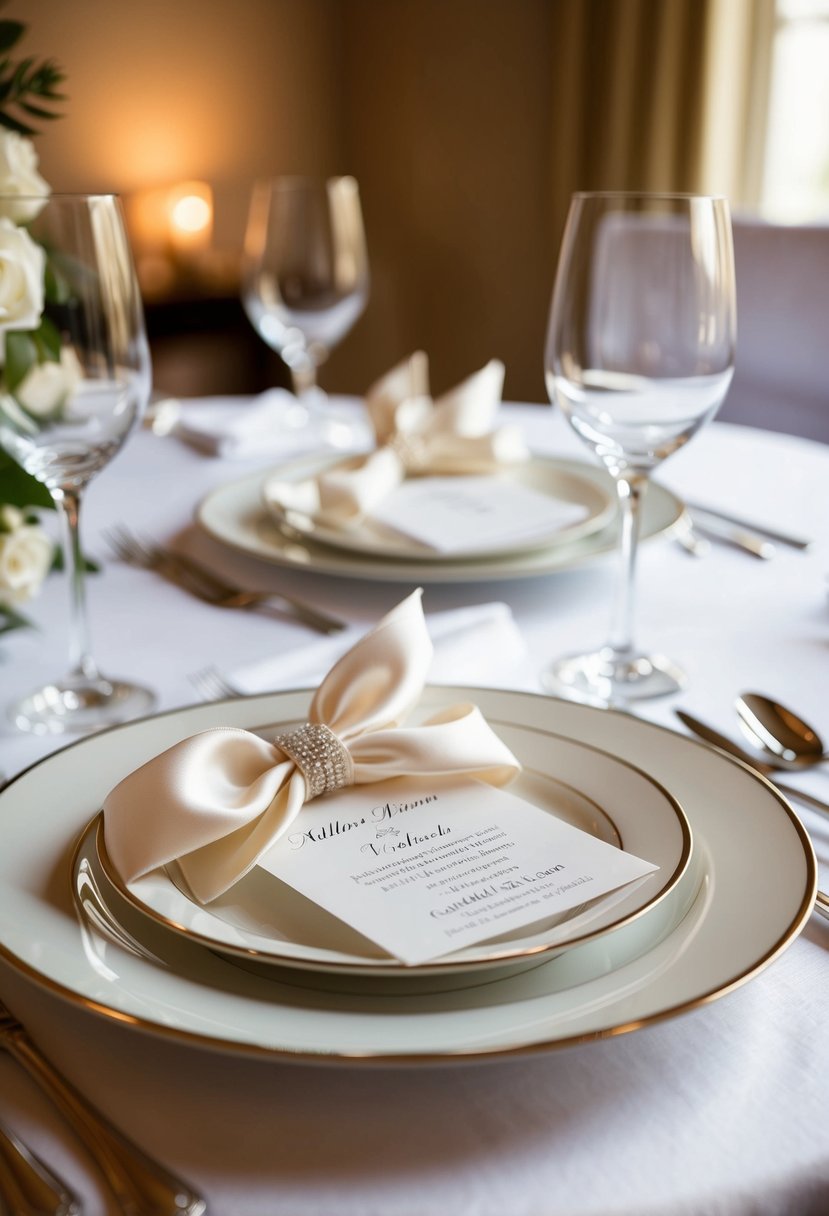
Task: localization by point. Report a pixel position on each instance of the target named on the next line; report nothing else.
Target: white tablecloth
(719, 1111)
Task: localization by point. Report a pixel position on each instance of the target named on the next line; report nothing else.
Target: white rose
(46, 387)
(25, 559)
(10, 517)
(19, 178)
(22, 264)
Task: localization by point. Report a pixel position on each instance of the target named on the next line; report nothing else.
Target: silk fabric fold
(455, 434)
(217, 801)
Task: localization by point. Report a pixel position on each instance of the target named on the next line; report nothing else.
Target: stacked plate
(236, 515)
(281, 977)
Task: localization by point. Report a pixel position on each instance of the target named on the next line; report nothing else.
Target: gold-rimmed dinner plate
(592, 498)
(746, 838)
(264, 920)
(235, 515)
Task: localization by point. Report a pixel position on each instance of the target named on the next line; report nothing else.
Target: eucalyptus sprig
(29, 89)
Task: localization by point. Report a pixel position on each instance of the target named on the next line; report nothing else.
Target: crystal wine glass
(306, 281)
(75, 380)
(639, 355)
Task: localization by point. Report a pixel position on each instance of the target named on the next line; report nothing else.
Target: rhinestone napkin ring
(320, 756)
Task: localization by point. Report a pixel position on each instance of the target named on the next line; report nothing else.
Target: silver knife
(785, 538)
(732, 534)
(728, 745)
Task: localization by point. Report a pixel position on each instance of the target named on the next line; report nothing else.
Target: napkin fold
(269, 425)
(217, 801)
(415, 435)
(478, 644)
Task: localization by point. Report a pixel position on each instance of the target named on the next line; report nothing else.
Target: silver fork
(211, 685)
(28, 1186)
(203, 582)
(143, 1187)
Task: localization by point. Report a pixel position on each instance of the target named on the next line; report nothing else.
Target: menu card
(426, 868)
(456, 514)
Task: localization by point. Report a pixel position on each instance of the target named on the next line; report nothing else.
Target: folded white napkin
(478, 644)
(414, 435)
(240, 428)
(217, 801)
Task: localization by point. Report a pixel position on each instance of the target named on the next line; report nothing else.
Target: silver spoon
(710, 735)
(783, 739)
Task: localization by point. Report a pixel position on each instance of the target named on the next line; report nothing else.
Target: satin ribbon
(217, 801)
(415, 435)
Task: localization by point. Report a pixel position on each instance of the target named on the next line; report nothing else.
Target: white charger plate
(746, 839)
(265, 920)
(542, 474)
(235, 515)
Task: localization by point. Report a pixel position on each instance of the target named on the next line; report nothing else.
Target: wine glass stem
(630, 489)
(304, 378)
(80, 660)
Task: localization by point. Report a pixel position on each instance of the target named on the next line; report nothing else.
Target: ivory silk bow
(414, 435)
(217, 801)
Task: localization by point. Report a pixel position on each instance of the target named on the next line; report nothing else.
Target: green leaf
(21, 70)
(37, 111)
(47, 340)
(19, 488)
(14, 124)
(10, 33)
(55, 283)
(21, 356)
(88, 565)
(9, 620)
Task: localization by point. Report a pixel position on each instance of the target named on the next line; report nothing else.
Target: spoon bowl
(782, 738)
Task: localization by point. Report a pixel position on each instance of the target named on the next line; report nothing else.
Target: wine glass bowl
(305, 275)
(76, 380)
(639, 356)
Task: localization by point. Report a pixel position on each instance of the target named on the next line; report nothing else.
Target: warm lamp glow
(190, 216)
(172, 218)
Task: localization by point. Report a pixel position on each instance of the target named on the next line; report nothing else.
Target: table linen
(718, 1111)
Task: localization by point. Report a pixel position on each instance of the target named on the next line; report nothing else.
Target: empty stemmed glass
(639, 355)
(306, 281)
(75, 380)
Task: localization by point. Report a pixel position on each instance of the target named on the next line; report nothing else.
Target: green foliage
(9, 620)
(29, 89)
(29, 94)
(18, 488)
(25, 348)
(88, 564)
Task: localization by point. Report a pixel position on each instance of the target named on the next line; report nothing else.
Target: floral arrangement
(36, 377)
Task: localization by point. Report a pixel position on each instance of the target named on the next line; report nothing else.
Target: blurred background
(468, 124)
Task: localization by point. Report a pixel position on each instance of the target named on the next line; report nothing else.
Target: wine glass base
(327, 424)
(79, 705)
(612, 677)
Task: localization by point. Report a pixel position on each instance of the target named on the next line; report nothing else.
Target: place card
(458, 514)
(426, 868)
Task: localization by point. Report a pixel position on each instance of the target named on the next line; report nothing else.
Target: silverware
(689, 539)
(211, 685)
(727, 745)
(196, 578)
(784, 538)
(780, 736)
(710, 735)
(732, 534)
(27, 1186)
(143, 1187)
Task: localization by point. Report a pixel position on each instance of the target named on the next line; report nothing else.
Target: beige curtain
(469, 124)
(659, 95)
(628, 92)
